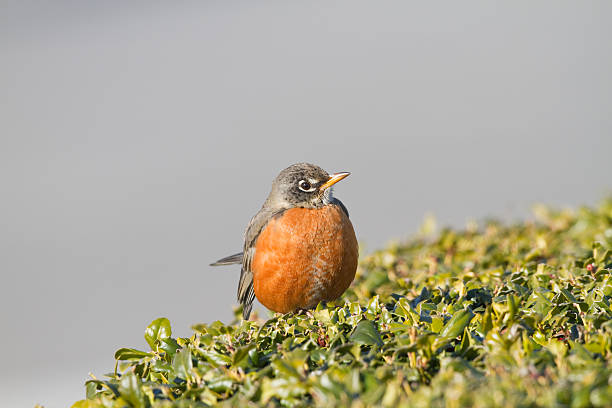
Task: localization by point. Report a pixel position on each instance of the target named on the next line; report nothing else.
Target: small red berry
(591, 267)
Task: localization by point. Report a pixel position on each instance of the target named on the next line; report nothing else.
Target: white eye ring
(305, 186)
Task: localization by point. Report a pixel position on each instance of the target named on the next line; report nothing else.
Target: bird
(300, 248)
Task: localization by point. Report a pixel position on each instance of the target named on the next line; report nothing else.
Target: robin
(300, 248)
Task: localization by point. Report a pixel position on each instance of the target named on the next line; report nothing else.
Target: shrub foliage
(494, 315)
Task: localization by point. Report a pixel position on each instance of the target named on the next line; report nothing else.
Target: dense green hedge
(493, 316)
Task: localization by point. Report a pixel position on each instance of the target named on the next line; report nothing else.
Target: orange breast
(303, 257)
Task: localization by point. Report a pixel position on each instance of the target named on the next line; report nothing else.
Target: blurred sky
(137, 140)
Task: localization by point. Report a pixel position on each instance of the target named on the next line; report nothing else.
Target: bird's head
(303, 185)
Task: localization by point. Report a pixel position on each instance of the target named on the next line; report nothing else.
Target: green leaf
(600, 253)
(513, 302)
(487, 321)
(169, 345)
(455, 326)
(130, 390)
(215, 358)
(131, 354)
(436, 324)
(158, 330)
(366, 333)
(240, 357)
(221, 384)
(90, 390)
(568, 295)
(183, 364)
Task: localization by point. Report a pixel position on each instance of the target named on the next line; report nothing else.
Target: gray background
(138, 139)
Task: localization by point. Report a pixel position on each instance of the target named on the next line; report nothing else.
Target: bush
(494, 316)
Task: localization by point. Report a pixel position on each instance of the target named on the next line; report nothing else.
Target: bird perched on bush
(300, 248)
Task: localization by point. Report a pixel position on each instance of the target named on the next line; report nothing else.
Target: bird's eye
(305, 186)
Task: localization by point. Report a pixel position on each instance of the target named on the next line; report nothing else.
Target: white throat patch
(328, 195)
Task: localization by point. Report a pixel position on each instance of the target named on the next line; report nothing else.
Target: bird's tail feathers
(229, 260)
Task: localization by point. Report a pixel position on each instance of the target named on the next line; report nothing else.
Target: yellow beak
(333, 179)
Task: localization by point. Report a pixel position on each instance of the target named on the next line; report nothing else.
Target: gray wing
(334, 200)
(246, 294)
